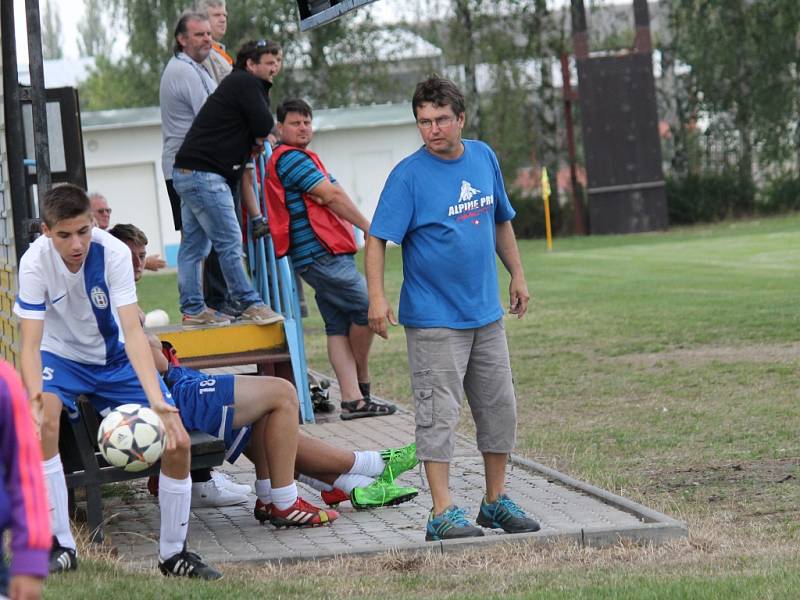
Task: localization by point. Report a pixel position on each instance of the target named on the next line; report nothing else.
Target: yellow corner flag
(546, 199)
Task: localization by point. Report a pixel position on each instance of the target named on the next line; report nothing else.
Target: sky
(70, 11)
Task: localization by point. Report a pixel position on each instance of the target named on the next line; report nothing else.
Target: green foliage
(780, 195)
(93, 30)
(698, 198)
(335, 65)
(530, 219)
(743, 57)
(128, 83)
(51, 32)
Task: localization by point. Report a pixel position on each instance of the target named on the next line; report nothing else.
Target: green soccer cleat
(379, 493)
(398, 461)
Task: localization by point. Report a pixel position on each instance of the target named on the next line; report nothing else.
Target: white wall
(124, 164)
(361, 159)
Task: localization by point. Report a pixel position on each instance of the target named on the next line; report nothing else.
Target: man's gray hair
(202, 6)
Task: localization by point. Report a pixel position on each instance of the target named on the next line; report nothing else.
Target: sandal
(365, 407)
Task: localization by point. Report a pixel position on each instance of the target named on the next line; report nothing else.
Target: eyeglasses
(104, 211)
(441, 122)
(261, 43)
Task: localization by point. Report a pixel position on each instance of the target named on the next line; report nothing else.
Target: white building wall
(361, 159)
(124, 164)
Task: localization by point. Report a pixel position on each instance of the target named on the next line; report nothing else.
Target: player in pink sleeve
(23, 499)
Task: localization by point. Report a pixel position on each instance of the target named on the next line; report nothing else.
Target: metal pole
(580, 35)
(38, 102)
(569, 97)
(15, 144)
(643, 43)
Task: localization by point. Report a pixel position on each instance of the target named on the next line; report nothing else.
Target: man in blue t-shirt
(447, 207)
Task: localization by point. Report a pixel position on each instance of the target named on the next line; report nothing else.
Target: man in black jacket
(234, 120)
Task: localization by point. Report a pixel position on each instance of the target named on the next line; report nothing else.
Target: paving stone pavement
(563, 506)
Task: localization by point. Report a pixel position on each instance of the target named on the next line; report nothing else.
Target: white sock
(59, 504)
(174, 499)
(316, 484)
(284, 497)
(348, 481)
(264, 490)
(368, 463)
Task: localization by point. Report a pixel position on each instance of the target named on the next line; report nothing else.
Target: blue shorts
(341, 291)
(106, 386)
(206, 404)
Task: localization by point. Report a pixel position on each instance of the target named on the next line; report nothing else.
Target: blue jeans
(209, 218)
(341, 291)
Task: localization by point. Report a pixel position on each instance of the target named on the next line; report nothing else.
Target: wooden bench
(85, 467)
(240, 343)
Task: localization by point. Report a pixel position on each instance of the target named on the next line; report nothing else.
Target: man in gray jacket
(185, 85)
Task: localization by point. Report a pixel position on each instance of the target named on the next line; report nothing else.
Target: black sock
(200, 475)
(364, 389)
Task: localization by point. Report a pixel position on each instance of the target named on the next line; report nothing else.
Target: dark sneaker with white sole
(451, 524)
(62, 559)
(506, 515)
(188, 564)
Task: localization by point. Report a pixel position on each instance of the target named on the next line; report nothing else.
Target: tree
(93, 30)
(744, 59)
(333, 66)
(464, 38)
(51, 33)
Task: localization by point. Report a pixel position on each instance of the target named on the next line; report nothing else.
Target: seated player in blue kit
(258, 416)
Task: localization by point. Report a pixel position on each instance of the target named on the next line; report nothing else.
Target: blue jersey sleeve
(298, 172)
(503, 210)
(395, 209)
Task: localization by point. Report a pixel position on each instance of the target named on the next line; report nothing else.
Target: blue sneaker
(506, 515)
(451, 524)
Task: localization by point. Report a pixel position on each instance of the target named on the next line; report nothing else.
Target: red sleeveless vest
(334, 233)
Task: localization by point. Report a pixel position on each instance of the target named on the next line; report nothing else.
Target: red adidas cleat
(334, 497)
(301, 514)
(262, 511)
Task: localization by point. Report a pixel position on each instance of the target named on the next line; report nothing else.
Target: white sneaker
(209, 494)
(224, 481)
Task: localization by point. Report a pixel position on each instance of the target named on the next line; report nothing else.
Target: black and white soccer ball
(132, 437)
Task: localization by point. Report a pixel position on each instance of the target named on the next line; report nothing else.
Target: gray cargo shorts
(447, 364)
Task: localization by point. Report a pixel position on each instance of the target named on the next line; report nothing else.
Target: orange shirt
(219, 48)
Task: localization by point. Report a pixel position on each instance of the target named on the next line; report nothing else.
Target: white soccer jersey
(80, 323)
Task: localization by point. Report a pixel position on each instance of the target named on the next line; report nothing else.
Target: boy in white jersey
(80, 330)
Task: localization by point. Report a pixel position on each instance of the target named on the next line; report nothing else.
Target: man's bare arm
(333, 197)
(508, 251)
(379, 309)
(31, 331)
(138, 350)
(139, 353)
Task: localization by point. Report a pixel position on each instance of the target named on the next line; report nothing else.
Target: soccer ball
(156, 318)
(132, 437)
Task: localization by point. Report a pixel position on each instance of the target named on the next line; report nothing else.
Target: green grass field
(663, 367)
